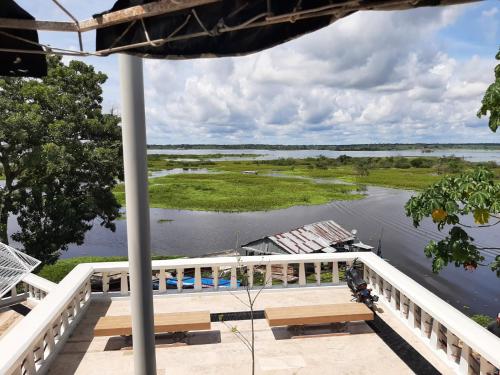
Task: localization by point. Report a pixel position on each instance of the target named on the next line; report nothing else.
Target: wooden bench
(317, 314)
(164, 323)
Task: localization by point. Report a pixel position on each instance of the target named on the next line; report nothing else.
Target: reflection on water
(470, 155)
(169, 172)
(194, 233)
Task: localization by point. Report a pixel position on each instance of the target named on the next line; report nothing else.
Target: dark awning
(19, 64)
(233, 27)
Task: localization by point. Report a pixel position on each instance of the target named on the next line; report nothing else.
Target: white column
(162, 281)
(180, 277)
(124, 283)
(136, 194)
(463, 368)
(250, 275)
(435, 335)
(269, 276)
(197, 278)
(285, 275)
(234, 283)
(317, 271)
(105, 282)
(452, 346)
(215, 277)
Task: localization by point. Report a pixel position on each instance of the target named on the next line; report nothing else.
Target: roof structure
(312, 237)
(14, 265)
(173, 29)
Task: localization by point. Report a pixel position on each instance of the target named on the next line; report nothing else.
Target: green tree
(491, 100)
(61, 157)
(447, 202)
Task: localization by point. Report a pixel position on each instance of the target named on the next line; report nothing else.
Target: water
(470, 155)
(194, 233)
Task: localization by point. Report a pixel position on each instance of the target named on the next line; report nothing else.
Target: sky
(373, 77)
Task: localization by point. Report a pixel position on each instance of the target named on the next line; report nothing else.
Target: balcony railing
(461, 343)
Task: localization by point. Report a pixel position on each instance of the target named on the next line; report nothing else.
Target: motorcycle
(359, 287)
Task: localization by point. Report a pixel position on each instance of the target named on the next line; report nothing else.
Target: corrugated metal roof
(312, 237)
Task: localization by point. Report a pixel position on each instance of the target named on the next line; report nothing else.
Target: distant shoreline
(352, 147)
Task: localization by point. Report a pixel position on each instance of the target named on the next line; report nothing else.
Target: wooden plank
(113, 18)
(168, 322)
(317, 314)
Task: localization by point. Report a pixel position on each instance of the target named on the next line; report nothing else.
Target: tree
(448, 202)
(61, 157)
(491, 100)
(361, 167)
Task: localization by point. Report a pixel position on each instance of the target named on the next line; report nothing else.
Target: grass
(483, 320)
(57, 271)
(233, 192)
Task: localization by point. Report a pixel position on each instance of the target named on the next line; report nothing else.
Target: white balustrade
(461, 343)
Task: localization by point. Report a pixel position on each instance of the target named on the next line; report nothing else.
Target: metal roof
(14, 265)
(312, 237)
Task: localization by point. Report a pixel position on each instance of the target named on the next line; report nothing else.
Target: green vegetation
(483, 320)
(448, 202)
(57, 271)
(60, 156)
(283, 183)
(231, 192)
(491, 100)
(158, 162)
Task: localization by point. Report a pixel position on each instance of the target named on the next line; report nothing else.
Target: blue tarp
(188, 281)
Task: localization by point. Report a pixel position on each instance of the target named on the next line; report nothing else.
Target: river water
(470, 155)
(192, 233)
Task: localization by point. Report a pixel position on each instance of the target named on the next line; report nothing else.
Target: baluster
(411, 314)
(452, 348)
(394, 304)
(366, 272)
(435, 334)
(302, 274)
(29, 363)
(162, 281)
(234, 284)
(38, 351)
(105, 282)
(180, 276)
(197, 279)
(464, 365)
(335, 273)
(403, 305)
(215, 277)
(124, 283)
(285, 275)
(13, 291)
(76, 304)
(387, 290)
(317, 272)
(250, 275)
(425, 324)
(51, 343)
(269, 276)
(30, 291)
(485, 368)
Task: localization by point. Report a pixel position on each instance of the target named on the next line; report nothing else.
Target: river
(192, 233)
(469, 155)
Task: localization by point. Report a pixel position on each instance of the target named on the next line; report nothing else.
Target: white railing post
(197, 278)
(317, 272)
(285, 275)
(425, 324)
(464, 365)
(434, 339)
(234, 283)
(394, 304)
(269, 276)
(162, 281)
(412, 321)
(124, 283)
(51, 344)
(250, 275)
(29, 363)
(215, 277)
(485, 368)
(13, 291)
(366, 272)
(180, 277)
(335, 272)
(302, 274)
(452, 348)
(105, 282)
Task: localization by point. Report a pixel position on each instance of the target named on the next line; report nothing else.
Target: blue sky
(411, 76)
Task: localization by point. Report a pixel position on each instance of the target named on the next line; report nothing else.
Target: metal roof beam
(108, 19)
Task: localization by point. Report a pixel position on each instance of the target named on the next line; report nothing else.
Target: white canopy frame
(14, 266)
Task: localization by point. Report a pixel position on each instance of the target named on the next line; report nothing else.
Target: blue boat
(188, 282)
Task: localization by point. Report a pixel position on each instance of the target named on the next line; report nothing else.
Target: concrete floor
(221, 351)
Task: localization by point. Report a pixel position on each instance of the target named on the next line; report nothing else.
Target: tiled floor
(221, 350)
